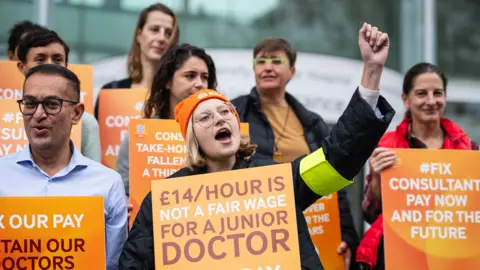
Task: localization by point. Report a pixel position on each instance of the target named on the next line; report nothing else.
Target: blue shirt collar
(77, 160)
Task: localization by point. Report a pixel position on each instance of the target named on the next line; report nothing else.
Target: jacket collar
(451, 129)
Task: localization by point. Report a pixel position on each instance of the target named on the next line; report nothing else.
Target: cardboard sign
(431, 210)
(52, 233)
(117, 108)
(323, 220)
(157, 150)
(11, 82)
(242, 219)
(12, 130)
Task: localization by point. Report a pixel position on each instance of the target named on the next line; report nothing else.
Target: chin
(269, 86)
(155, 56)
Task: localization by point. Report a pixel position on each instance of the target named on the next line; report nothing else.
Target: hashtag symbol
(8, 117)
(425, 167)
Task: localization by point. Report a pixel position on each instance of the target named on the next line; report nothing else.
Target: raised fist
(373, 44)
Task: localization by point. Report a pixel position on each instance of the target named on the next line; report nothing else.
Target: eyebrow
(47, 97)
(269, 56)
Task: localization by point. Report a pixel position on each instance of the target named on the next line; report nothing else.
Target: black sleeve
(356, 134)
(349, 144)
(138, 250)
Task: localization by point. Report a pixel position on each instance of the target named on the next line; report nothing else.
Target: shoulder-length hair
(196, 159)
(134, 68)
(158, 98)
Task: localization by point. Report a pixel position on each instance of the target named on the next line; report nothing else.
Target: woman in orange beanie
(211, 128)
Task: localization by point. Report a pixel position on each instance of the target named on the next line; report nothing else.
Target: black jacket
(121, 84)
(314, 130)
(351, 142)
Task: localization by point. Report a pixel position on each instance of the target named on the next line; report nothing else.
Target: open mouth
(223, 135)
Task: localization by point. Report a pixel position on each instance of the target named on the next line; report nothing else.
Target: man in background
(32, 45)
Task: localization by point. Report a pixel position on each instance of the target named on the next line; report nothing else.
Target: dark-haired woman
(183, 70)
(424, 97)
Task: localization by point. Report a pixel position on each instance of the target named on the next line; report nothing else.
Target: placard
(242, 219)
(431, 210)
(323, 220)
(52, 233)
(116, 108)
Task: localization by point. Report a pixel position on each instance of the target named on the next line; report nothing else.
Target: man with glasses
(283, 129)
(51, 165)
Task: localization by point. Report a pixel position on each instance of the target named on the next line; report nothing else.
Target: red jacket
(455, 138)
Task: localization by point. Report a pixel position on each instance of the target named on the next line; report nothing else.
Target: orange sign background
(323, 220)
(11, 82)
(168, 158)
(117, 108)
(63, 226)
(413, 193)
(12, 131)
(210, 205)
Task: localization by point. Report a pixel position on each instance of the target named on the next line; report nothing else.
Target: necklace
(277, 155)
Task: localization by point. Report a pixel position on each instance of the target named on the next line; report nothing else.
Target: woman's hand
(381, 159)
(374, 46)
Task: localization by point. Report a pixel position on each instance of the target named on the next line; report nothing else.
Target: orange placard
(242, 219)
(323, 220)
(431, 210)
(52, 233)
(12, 130)
(11, 82)
(85, 75)
(157, 150)
(117, 107)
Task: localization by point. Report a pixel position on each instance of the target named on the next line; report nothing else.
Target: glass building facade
(444, 32)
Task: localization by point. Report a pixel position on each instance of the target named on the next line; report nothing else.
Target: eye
(52, 104)
(421, 93)
(438, 93)
(261, 61)
(204, 118)
(168, 33)
(277, 61)
(190, 76)
(154, 29)
(29, 104)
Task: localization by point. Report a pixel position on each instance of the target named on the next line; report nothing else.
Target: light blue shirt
(20, 176)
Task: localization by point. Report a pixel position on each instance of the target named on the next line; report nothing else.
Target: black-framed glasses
(226, 111)
(51, 106)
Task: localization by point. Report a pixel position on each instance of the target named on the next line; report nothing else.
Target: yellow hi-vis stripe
(320, 176)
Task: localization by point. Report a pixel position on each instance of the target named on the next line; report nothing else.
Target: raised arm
(357, 132)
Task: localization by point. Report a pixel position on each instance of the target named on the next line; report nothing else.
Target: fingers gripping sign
(374, 44)
(381, 159)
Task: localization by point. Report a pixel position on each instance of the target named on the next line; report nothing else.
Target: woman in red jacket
(424, 97)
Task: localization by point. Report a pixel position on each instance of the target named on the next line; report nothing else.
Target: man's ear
(78, 113)
(21, 67)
